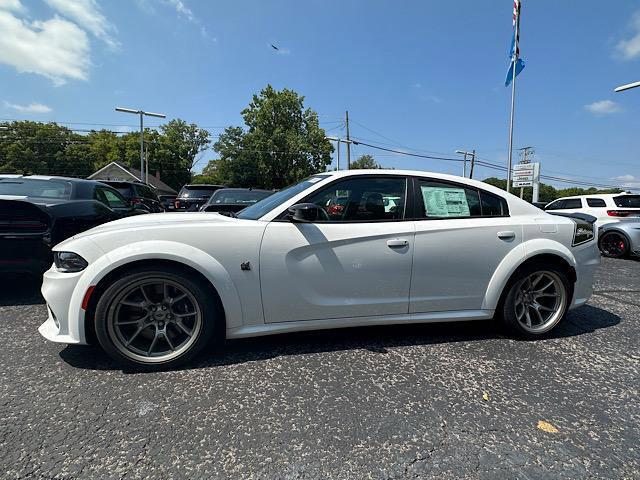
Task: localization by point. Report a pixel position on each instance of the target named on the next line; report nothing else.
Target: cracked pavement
(421, 401)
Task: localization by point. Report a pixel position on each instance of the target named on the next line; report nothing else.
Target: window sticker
(445, 202)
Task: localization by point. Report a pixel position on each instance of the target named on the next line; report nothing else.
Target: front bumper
(58, 289)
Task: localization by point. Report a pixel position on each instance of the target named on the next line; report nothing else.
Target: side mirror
(304, 213)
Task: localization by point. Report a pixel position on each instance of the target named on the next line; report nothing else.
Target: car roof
(246, 190)
(203, 185)
(593, 195)
(418, 173)
(53, 177)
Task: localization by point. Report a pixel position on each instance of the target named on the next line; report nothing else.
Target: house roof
(135, 175)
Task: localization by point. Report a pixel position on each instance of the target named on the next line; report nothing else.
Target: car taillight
(618, 213)
(176, 204)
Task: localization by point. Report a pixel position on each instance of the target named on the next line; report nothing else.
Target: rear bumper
(30, 254)
(587, 261)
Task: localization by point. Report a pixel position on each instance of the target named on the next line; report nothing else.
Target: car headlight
(69, 262)
(584, 231)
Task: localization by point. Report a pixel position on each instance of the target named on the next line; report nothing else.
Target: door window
(110, 198)
(364, 199)
(447, 200)
(566, 204)
(596, 202)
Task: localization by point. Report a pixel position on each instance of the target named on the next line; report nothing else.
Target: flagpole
(513, 97)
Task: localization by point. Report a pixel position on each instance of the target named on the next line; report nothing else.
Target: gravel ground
(427, 401)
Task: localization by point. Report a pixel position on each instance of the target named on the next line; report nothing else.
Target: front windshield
(260, 209)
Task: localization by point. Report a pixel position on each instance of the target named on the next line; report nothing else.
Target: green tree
(179, 146)
(282, 143)
(364, 162)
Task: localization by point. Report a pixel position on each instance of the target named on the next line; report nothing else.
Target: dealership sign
(525, 174)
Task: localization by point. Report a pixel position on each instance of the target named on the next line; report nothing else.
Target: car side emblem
(245, 266)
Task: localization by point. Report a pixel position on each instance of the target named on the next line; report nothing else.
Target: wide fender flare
(188, 255)
(515, 258)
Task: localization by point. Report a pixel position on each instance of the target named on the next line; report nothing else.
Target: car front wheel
(537, 300)
(155, 318)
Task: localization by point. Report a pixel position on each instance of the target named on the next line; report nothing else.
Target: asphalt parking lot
(441, 401)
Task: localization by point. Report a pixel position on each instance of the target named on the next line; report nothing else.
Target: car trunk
(25, 236)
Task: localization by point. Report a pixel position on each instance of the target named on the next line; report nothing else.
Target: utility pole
(526, 154)
(473, 161)
(471, 154)
(142, 113)
(348, 141)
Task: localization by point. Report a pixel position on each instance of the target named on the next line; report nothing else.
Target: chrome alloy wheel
(540, 301)
(154, 320)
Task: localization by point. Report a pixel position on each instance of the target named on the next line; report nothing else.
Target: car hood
(158, 219)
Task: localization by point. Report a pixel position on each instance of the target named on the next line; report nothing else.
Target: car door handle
(507, 235)
(397, 243)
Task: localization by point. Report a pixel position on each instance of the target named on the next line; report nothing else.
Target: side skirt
(299, 326)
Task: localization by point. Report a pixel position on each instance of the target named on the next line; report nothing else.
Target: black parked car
(139, 195)
(192, 197)
(234, 199)
(168, 201)
(38, 212)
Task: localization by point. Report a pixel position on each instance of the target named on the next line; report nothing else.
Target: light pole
(142, 113)
(464, 166)
(628, 86)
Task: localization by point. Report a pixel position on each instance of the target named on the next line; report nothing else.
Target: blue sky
(422, 76)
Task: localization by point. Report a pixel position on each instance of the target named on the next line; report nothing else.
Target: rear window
(248, 197)
(627, 201)
(596, 202)
(195, 191)
(25, 187)
(145, 192)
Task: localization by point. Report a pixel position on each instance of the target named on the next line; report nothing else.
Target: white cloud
(629, 49)
(33, 107)
(628, 181)
(603, 107)
(87, 14)
(56, 48)
(182, 9)
(12, 6)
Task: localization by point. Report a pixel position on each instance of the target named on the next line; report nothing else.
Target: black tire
(512, 303)
(168, 329)
(614, 244)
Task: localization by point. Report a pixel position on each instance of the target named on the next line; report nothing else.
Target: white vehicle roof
(599, 195)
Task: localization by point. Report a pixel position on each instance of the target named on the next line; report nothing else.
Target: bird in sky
(274, 47)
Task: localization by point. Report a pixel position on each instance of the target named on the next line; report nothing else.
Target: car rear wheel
(614, 244)
(155, 318)
(537, 300)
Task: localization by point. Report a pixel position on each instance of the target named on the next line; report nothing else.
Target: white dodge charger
(338, 249)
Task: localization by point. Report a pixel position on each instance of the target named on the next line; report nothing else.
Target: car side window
(596, 202)
(572, 203)
(364, 199)
(446, 200)
(110, 198)
(493, 205)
